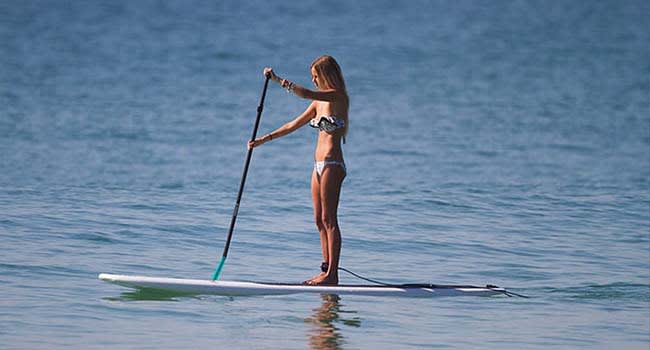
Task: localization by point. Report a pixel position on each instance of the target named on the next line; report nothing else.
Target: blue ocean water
(502, 142)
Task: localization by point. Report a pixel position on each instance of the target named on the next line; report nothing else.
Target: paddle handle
(260, 108)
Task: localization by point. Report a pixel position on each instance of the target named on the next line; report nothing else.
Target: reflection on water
(148, 294)
(325, 335)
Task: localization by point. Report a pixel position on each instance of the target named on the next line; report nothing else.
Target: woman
(328, 113)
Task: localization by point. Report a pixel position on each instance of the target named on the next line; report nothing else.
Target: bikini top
(329, 124)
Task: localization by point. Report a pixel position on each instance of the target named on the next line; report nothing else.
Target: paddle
(217, 271)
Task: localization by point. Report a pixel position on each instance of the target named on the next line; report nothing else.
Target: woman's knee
(318, 219)
(329, 221)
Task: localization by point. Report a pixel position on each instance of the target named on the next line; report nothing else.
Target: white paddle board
(241, 288)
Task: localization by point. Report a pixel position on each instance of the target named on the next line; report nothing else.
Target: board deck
(242, 288)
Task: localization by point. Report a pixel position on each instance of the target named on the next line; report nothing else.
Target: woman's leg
(330, 190)
(315, 196)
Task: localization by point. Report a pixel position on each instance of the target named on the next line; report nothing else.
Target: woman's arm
(325, 95)
(287, 128)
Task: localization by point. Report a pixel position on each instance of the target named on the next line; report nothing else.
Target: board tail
(217, 271)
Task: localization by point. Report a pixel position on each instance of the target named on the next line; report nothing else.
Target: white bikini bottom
(320, 165)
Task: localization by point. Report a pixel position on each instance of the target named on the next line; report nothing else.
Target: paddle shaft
(260, 107)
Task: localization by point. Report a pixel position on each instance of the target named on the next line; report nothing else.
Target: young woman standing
(328, 114)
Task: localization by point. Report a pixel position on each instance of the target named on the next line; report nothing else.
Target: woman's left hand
(257, 142)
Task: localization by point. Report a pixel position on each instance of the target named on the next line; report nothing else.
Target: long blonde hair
(331, 77)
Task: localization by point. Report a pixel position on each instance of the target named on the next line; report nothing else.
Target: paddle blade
(217, 271)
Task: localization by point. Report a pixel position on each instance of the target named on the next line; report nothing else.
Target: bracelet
(290, 85)
(270, 136)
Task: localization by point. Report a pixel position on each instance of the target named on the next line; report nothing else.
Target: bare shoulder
(313, 106)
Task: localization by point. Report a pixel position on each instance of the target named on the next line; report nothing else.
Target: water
(501, 142)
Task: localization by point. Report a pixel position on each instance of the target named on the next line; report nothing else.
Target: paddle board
(242, 288)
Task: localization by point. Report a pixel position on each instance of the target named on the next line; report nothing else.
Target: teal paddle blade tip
(217, 271)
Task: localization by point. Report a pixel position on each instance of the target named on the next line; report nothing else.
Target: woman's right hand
(268, 72)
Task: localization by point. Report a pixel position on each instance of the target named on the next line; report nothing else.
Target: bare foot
(323, 280)
(309, 281)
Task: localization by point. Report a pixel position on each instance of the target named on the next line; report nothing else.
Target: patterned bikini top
(329, 124)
